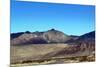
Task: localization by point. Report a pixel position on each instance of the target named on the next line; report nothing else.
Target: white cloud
(84, 2)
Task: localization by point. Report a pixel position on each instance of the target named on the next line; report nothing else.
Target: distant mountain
(50, 36)
(85, 37)
(15, 35)
(55, 36)
(85, 42)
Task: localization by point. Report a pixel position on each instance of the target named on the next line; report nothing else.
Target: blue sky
(36, 16)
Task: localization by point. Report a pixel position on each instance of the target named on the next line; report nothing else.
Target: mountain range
(49, 37)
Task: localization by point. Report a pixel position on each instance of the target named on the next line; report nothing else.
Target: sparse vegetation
(77, 59)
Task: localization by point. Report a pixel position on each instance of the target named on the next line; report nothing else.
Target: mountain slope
(55, 36)
(50, 36)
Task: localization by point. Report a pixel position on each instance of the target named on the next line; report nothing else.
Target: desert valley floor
(34, 54)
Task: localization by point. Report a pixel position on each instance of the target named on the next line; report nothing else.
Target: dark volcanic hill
(50, 36)
(83, 38)
(87, 36)
(85, 42)
(15, 35)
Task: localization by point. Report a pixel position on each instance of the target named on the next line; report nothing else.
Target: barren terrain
(34, 54)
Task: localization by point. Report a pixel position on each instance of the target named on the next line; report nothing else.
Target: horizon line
(46, 31)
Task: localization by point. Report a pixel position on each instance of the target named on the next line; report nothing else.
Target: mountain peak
(52, 29)
(28, 32)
